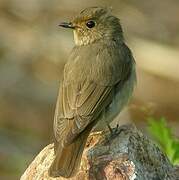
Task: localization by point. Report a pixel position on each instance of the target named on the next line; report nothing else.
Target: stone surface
(124, 155)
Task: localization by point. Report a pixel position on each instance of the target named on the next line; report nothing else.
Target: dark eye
(90, 24)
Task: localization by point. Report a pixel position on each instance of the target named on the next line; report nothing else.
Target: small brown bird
(98, 80)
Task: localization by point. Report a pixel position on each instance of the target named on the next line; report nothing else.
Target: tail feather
(67, 160)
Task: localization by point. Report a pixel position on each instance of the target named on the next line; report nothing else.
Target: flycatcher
(98, 81)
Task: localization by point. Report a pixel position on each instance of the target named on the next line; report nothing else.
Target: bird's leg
(114, 131)
(117, 129)
(112, 134)
(110, 129)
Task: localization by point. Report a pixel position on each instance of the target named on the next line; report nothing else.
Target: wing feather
(83, 97)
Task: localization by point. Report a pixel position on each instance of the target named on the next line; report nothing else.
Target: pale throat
(87, 39)
(83, 40)
(76, 39)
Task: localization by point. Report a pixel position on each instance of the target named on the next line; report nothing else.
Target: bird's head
(94, 24)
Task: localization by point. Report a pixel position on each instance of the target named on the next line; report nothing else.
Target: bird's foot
(113, 131)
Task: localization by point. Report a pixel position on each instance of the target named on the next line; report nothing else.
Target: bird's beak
(67, 25)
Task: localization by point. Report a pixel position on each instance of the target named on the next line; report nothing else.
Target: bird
(98, 80)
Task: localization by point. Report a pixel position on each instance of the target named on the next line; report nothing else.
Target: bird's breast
(120, 99)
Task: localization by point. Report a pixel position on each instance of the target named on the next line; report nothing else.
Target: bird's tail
(67, 160)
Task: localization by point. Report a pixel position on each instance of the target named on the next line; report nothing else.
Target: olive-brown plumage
(98, 80)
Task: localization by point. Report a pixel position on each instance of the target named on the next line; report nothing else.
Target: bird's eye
(90, 24)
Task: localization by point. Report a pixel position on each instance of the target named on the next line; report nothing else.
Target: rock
(125, 154)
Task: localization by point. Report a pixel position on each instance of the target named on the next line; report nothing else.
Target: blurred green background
(33, 50)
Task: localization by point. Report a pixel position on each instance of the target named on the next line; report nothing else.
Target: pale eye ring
(90, 24)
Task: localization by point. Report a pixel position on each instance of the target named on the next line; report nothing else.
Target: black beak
(67, 25)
